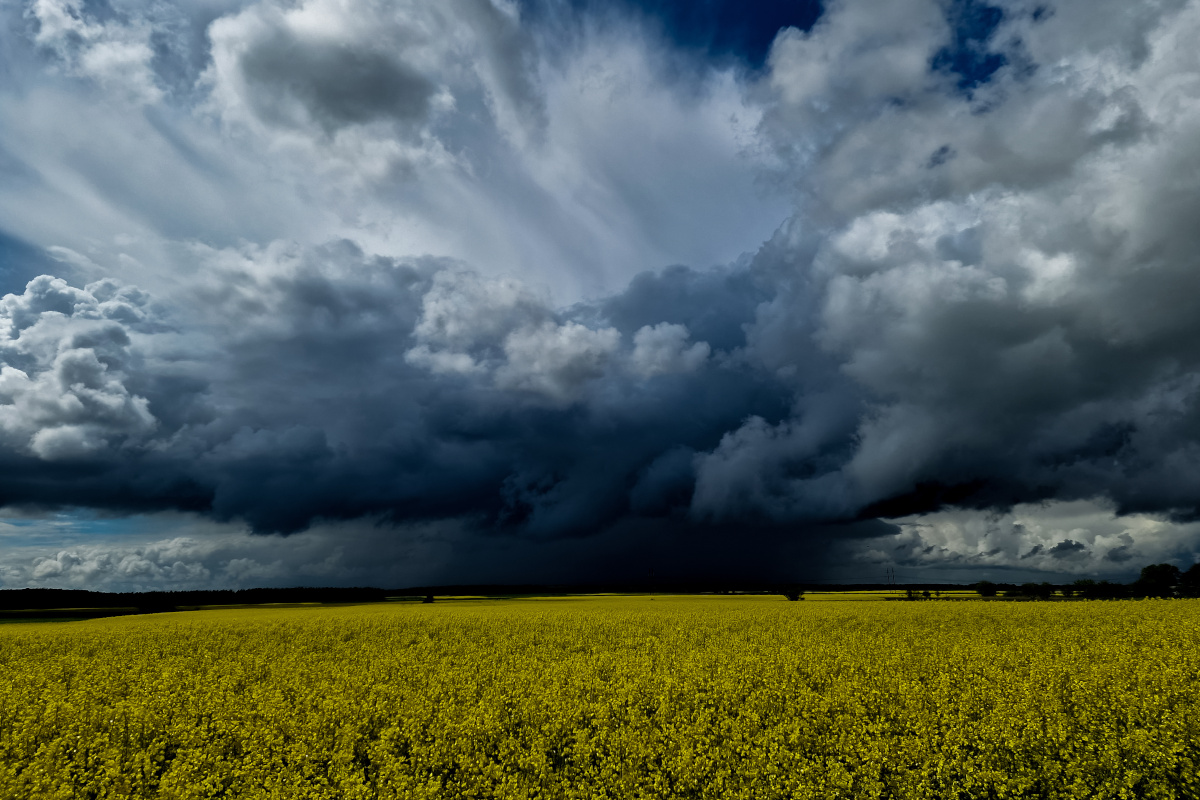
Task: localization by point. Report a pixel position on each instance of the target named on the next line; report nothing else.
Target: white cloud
(464, 315)
(860, 59)
(181, 552)
(555, 360)
(67, 356)
(995, 268)
(471, 325)
(413, 128)
(1083, 539)
(116, 54)
(662, 349)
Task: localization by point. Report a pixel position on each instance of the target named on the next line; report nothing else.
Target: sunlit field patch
(638, 697)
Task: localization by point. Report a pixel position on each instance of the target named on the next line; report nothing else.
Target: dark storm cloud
(331, 83)
(1067, 548)
(1118, 555)
(715, 305)
(349, 386)
(984, 297)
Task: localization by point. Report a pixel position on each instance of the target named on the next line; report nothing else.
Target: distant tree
(1157, 580)
(428, 599)
(1112, 591)
(1189, 581)
(925, 594)
(986, 589)
(1104, 590)
(794, 594)
(1037, 591)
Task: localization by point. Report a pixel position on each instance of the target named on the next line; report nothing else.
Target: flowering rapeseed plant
(609, 698)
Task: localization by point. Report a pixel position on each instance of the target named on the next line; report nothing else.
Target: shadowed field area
(617, 697)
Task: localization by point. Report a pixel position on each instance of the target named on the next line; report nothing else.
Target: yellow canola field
(710, 697)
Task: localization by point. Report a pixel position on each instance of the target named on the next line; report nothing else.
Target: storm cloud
(470, 266)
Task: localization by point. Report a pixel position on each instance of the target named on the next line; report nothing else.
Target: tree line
(1155, 580)
(11, 599)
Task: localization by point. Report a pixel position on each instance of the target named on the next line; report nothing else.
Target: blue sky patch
(717, 28)
(968, 56)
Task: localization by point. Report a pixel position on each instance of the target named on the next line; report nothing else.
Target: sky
(411, 292)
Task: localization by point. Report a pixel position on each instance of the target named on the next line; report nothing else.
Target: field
(609, 697)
